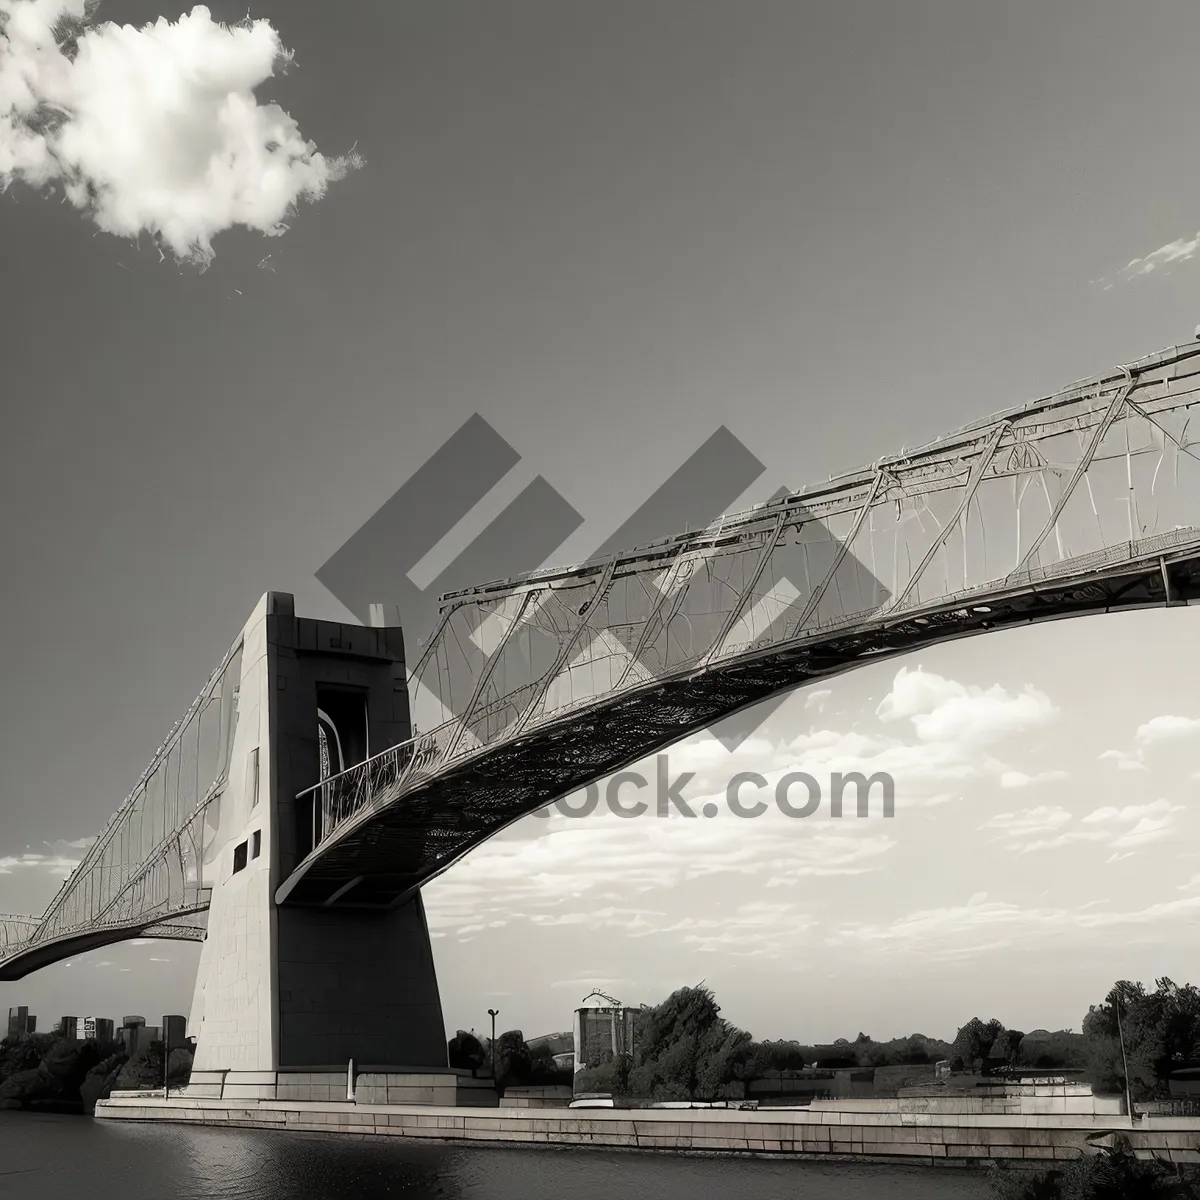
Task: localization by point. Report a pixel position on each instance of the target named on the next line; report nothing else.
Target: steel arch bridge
(1082, 502)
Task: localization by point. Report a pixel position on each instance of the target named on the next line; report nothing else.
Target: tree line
(49, 1071)
(515, 1063)
(684, 1049)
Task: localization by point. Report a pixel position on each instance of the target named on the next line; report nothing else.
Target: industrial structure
(291, 818)
(604, 1031)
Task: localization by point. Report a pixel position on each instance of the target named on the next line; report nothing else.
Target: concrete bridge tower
(303, 988)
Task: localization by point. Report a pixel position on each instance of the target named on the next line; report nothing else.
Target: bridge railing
(15, 932)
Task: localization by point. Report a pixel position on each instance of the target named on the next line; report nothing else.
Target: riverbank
(76, 1159)
(876, 1130)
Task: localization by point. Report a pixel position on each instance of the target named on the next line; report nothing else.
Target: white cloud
(560, 877)
(1124, 760)
(944, 710)
(1119, 829)
(816, 699)
(967, 930)
(1177, 251)
(53, 863)
(752, 930)
(1166, 728)
(154, 130)
(1018, 779)
(1132, 812)
(62, 858)
(591, 982)
(1028, 822)
(1154, 732)
(603, 872)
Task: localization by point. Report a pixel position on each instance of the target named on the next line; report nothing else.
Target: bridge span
(317, 783)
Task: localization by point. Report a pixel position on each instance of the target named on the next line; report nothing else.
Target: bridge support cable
(881, 473)
(986, 455)
(159, 858)
(429, 653)
(672, 593)
(114, 865)
(1111, 413)
(743, 599)
(485, 676)
(568, 645)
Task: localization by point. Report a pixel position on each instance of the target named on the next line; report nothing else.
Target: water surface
(45, 1157)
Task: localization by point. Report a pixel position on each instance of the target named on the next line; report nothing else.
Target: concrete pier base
(368, 1085)
(867, 1130)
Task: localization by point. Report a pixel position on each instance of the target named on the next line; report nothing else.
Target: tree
(757, 1059)
(544, 1071)
(610, 1078)
(513, 1063)
(1161, 1032)
(179, 1067)
(101, 1080)
(465, 1052)
(46, 1067)
(1062, 1049)
(145, 1070)
(973, 1041)
(687, 1050)
(1007, 1047)
(840, 1054)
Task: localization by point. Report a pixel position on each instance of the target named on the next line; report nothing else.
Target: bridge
(318, 783)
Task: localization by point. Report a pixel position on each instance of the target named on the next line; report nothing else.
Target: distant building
(20, 1022)
(98, 1029)
(133, 1034)
(174, 1031)
(602, 1033)
(68, 1027)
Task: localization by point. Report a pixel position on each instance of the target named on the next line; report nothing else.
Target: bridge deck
(1085, 501)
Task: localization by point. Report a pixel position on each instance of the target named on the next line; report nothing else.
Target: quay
(917, 1130)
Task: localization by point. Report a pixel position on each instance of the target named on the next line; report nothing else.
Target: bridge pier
(301, 989)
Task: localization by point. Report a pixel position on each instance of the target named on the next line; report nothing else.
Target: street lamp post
(1124, 1061)
(493, 1013)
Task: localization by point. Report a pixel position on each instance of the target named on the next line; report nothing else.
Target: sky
(838, 230)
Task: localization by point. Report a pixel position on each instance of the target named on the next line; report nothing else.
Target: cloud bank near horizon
(154, 130)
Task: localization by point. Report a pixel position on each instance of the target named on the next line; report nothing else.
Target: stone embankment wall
(551, 1096)
(870, 1129)
(444, 1088)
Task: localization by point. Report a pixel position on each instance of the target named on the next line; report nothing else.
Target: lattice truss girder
(1102, 473)
(147, 868)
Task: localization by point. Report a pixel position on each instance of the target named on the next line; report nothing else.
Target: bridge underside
(383, 860)
(183, 926)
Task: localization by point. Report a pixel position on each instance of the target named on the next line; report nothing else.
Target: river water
(64, 1158)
